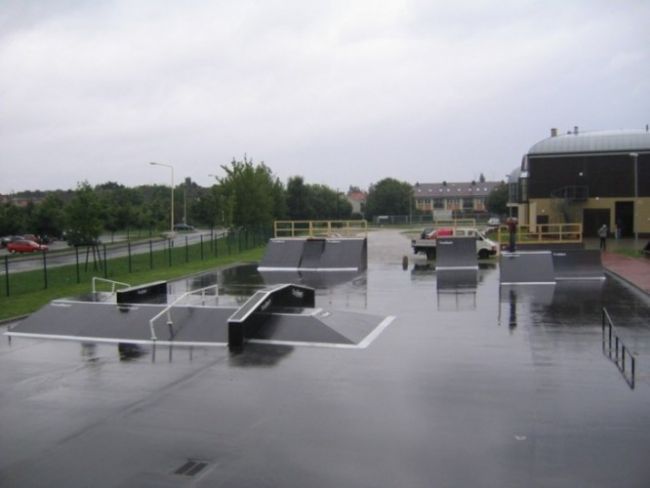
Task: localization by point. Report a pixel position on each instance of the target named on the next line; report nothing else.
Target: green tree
(48, 217)
(389, 197)
(497, 200)
(118, 205)
(12, 219)
(312, 202)
(83, 216)
(251, 194)
(298, 199)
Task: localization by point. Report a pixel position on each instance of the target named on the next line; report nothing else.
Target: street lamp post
(635, 158)
(171, 219)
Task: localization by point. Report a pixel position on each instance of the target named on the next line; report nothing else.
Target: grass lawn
(27, 290)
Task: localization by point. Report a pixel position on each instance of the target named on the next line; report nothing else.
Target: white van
(427, 244)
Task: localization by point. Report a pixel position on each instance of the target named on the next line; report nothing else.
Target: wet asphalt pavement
(473, 386)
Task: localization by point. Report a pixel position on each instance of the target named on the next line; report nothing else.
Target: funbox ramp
(456, 253)
(327, 254)
(547, 267)
(283, 314)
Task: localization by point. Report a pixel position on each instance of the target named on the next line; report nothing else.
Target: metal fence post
(187, 251)
(201, 247)
(7, 274)
(169, 247)
(105, 263)
(44, 270)
(76, 253)
(128, 247)
(150, 255)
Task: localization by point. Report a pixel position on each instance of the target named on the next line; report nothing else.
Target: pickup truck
(427, 243)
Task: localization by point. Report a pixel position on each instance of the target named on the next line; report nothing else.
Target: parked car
(184, 227)
(494, 222)
(24, 245)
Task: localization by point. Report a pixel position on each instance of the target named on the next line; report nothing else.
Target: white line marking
(456, 267)
(112, 340)
(528, 283)
(375, 333)
(303, 344)
(268, 268)
(585, 278)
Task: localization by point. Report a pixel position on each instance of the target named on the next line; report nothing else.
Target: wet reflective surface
(471, 385)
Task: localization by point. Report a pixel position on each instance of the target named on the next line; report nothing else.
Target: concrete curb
(627, 282)
(13, 319)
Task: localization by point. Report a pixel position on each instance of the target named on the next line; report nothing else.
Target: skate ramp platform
(548, 267)
(578, 264)
(315, 254)
(526, 268)
(284, 314)
(456, 253)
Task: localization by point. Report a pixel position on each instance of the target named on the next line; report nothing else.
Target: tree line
(248, 194)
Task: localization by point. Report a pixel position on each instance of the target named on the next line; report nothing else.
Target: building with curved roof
(593, 178)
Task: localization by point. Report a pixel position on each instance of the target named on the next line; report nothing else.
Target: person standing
(602, 233)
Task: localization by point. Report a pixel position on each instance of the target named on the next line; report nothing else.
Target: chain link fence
(22, 274)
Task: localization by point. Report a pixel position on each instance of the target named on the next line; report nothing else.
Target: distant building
(459, 198)
(593, 178)
(358, 201)
(19, 201)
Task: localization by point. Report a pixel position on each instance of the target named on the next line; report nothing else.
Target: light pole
(635, 158)
(171, 219)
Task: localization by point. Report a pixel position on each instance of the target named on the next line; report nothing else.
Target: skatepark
(446, 373)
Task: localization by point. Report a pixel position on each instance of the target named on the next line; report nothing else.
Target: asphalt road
(60, 254)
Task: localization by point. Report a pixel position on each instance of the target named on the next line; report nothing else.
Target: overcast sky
(339, 92)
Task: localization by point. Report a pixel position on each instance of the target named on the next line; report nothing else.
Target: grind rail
(168, 309)
(616, 350)
(113, 284)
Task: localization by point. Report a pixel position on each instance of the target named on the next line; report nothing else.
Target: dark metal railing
(616, 350)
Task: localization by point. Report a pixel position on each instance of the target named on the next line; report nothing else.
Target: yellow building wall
(547, 206)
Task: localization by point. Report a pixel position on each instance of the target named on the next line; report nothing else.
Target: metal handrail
(167, 309)
(618, 345)
(112, 282)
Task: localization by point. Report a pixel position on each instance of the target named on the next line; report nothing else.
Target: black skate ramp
(311, 254)
(526, 268)
(345, 255)
(578, 264)
(456, 253)
(327, 255)
(108, 322)
(282, 254)
(284, 314)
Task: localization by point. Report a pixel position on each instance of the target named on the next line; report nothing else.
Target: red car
(25, 246)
